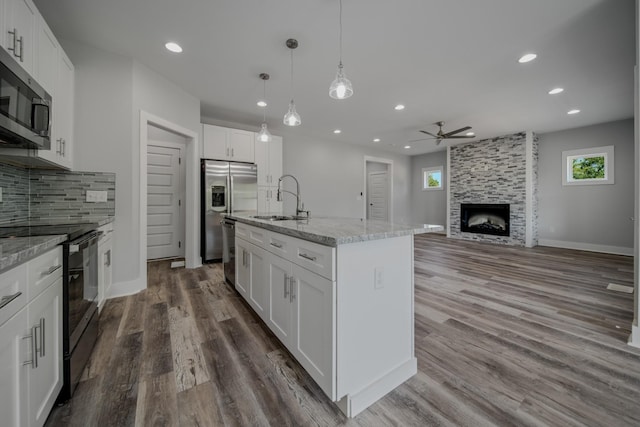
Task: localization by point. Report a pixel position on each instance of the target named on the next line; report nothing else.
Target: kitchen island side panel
(375, 314)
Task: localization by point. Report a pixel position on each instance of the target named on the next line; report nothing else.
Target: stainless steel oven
(80, 307)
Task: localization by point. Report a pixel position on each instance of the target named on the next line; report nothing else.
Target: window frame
(609, 171)
(426, 171)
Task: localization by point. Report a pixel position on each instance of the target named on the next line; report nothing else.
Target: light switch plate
(94, 196)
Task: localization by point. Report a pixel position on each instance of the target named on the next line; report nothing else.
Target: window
(589, 166)
(432, 178)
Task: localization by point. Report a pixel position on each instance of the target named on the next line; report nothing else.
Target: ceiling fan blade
(438, 141)
(421, 139)
(453, 132)
(460, 136)
(429, 133)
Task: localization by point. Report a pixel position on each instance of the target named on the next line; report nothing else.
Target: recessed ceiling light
(262, 103)
(470, 133)
(527, 58)
(376, 140)
(556, 91)
(407, 147)
(575, 111)
(399, 107)
(337, 131)
(173, 47)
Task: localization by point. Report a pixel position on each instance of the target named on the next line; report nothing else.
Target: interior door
(378, 196)
(164, 202)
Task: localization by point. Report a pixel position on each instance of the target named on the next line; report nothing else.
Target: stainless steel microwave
(25, 107)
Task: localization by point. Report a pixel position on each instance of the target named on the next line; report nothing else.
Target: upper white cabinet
(63, 108)
(222, 143)
(269, 161)
(19, 31)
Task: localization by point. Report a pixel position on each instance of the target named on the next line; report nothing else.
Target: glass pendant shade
(264, 135)
(292, 118)
(341, 87)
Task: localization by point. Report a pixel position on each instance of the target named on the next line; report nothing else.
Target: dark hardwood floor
(504, 336)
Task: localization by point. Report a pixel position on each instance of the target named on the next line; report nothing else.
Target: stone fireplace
(493, 190)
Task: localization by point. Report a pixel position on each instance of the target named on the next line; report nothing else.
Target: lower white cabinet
(31, 346)
(297, 305)
(105, 268)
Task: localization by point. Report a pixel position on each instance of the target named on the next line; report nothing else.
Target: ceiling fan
(446, 135)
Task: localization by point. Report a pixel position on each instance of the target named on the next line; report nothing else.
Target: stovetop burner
(71, 230)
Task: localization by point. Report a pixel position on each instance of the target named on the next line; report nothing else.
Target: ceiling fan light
(264, 135)
(292, 118)
(341, 87)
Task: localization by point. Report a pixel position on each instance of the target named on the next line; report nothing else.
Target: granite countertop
(97, 221)
(332, 231)
(17, 250)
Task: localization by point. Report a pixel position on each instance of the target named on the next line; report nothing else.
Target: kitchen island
(338, 293)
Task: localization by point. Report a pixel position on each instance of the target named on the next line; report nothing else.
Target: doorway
(166, 190)
(378, 197)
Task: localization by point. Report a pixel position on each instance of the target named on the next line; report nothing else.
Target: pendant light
(341, 87)
(292, 118)
(264, 135)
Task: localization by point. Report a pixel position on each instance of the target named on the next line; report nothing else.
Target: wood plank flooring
(504, 336)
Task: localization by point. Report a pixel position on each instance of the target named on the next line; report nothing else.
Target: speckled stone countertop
(17, 250)
(330, 231)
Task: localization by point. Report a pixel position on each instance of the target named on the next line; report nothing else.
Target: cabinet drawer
(13, 285)
(44, 270)
(314, 257)
(107, 232)
(280, 244)
(242, 230)
(258, 236)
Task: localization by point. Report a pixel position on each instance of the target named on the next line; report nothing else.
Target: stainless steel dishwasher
(229, 250)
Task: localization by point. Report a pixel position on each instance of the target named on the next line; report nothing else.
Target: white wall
(428, 207)
(110, 92)
(592, 217)
(331, 177)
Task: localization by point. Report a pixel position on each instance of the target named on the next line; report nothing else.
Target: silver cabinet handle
(227, 151)
(305, 256)
(52, 269)
(108, 260)
(8, 298)
(292, 284)
(286, 285)
(59, 146)
(232, 153)
(21, 56)
(42, 337)
(64, 147)
(34, 355)
(276, 245)
(14, 33)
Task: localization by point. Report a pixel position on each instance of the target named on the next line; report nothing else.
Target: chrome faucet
(299, 206)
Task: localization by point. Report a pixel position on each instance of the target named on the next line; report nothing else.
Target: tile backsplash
(37, 194)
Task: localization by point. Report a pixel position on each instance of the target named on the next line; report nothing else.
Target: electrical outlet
(0, 194)
(378, 278)
(96, 196)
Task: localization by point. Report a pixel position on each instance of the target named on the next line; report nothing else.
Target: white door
(164, 202)
(378, 196)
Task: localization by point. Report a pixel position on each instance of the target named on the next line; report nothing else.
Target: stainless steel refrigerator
(227, 187)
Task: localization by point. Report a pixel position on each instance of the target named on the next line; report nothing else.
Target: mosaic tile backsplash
(38, 194)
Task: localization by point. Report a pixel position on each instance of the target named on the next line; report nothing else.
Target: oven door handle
(84, 242)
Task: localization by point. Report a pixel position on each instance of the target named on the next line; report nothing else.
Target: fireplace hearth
(485, 218)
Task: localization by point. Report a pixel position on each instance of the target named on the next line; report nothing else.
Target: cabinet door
(214, 141)
(14, 350)
(279, 318)
(275, 160)
(258, 295)
(241, 145)
(47, 57)
(314, 323)
(65, 92)
(104, 269)
(45, 381)
(262, 161)
(21, 20)
(263, 200)
(243, 276)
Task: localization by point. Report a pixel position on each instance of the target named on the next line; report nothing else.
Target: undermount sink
(278, 217)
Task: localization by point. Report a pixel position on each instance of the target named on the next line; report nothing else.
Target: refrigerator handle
(230, 191)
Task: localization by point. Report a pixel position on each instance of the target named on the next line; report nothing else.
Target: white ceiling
(451, 60)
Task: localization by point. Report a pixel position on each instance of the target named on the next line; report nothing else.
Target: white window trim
(433, 169)
(609, 171)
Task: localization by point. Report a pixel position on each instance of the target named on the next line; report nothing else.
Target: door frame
(182, 191)
(192, 200)
(369, 175)
(389, 163)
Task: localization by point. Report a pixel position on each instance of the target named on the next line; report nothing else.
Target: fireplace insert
(485, 218)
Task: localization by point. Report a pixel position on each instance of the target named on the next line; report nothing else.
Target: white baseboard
(122, 289)
(616, 250)
(634, 338)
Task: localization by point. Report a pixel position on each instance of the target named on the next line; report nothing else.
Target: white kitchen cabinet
(269, 161)
(279, 285)
(267, 201)
(46, 66)
(31, 342)
(105, 268)
(18, 38)
(45, 376)
(250, 275)
(222, 143)
(243, 275)
(63, 109)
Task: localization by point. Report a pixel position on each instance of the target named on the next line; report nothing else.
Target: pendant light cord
(264, 96)
(292, 74)
(340, 32)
